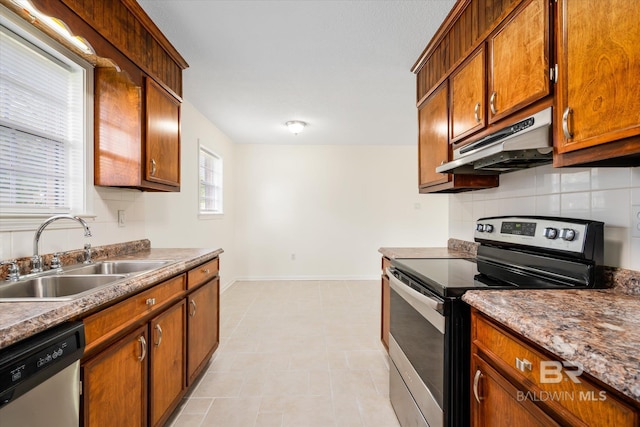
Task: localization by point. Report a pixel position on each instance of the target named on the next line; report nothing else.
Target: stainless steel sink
(116, 267)
(54, 287)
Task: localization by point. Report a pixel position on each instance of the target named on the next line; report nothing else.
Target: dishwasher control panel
(32, 361)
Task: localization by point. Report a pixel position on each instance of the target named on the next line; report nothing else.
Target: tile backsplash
(603, 194)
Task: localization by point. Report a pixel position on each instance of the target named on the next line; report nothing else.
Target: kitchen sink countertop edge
(19, 320)
(600, 329)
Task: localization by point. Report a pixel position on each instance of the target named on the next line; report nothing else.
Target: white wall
(65, 235)
(332, 206)
(603, 194)
(172, 219)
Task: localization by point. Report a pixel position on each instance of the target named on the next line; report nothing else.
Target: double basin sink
(74, 281)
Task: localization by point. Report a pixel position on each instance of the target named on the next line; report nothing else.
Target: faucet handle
(13, 272)
(55, 260)
(36, 264)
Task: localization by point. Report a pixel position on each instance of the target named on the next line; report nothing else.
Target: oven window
(421, 342)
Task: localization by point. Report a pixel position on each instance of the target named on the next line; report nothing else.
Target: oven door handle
(429, 308)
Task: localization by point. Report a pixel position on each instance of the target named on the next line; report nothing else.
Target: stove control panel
(563, 234)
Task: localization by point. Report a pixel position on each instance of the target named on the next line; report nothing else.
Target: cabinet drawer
(203, 273)
(550, 381)
(108, 323)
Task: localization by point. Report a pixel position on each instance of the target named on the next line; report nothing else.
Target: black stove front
(430, 324)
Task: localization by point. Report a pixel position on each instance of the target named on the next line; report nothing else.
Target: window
(44, 94)
(210, 182)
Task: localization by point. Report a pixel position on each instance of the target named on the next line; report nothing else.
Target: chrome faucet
(36, 259)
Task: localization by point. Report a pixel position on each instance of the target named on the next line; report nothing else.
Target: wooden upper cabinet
(433, 143)
(434, 149)
(162, 136)
(597, 102)
(468, 96)
(518, 65)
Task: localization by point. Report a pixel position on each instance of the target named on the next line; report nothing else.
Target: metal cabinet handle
(565, 123)
(143, 348)
(159, 329)
(476, 380)
(193, 305)
(150, 302)
(153, 167)
(492, 103)
(476, 113)
(206, 271)
(523, 365)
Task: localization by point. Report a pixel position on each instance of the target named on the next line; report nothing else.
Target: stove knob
(550, 233)
(480, 228)
(568, 234)
(488, 228)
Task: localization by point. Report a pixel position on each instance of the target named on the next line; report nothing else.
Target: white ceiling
(341, 66)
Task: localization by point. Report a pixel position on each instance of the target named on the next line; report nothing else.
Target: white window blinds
(41, 130)
(210, 182)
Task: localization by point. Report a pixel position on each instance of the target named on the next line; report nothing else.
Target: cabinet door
(519, 60)
(118, 129)
(115, 384)
(163, 136)
(203, 327)
(497, 403)
(167, 362)
(599, 62)
(468, 96)
(433, 143)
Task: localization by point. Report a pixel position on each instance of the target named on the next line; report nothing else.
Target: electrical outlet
(121, 218)
(635, 221)
(293, 257)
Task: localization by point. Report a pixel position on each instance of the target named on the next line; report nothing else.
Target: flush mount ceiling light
(295, 126)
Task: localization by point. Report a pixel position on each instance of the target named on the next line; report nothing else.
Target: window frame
(219, 159)
(29, 221)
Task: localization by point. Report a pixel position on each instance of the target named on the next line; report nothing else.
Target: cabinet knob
(492, 103)
(153, 167)
(151, 302)
(476, 380)
(206, 271)
(476, 113)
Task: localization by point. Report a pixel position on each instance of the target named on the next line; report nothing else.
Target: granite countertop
(599, 329)
(19, 320)
(455, 249)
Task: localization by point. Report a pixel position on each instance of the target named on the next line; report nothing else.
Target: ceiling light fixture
(295, 126)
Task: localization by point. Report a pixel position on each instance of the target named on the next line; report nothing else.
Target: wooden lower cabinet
(115, 383)
(497, 403)
(203, 326)
(144, 352)
(508, 387)
(167, 371)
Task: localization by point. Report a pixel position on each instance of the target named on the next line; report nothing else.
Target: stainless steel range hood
(520, 145)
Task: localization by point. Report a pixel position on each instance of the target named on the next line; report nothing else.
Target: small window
(210, 182)
(43, 98)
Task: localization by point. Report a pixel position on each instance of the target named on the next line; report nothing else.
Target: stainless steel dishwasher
(40, 379)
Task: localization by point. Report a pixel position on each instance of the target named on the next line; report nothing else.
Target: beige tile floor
(295, 354)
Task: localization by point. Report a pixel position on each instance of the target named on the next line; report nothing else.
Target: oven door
(417, 349)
